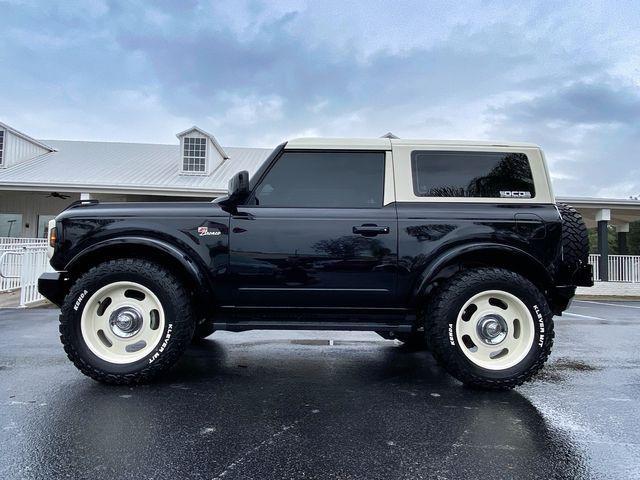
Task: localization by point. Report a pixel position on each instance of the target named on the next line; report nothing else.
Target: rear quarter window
(471, 174)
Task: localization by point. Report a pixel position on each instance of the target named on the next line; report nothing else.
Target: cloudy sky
(565, 75)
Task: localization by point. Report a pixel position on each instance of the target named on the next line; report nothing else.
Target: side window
(10, 225)
(471, 174)
(43, 225)
(329, 179)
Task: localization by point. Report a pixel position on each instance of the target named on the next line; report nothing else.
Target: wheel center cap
(125, 322)
(492, 329)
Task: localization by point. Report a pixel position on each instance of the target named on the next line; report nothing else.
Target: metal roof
(4, 126)
(126, 168)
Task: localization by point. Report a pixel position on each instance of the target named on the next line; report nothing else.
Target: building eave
(112, 189)
(597, 202)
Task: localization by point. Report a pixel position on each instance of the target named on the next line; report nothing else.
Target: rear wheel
(490, 328)
(126, 321)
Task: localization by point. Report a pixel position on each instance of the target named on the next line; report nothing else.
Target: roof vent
(389, 135)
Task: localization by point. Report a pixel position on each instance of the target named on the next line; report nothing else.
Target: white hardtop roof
(385, 143)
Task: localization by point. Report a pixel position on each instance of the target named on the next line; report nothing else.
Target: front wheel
(126, 321)
(490, 328)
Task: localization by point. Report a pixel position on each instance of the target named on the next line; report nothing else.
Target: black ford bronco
(457, 247)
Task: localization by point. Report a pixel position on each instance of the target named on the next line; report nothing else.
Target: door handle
(370, 230)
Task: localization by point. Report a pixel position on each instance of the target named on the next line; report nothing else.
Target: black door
(315, 233)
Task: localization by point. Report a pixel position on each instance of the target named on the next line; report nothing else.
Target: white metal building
(39, 178)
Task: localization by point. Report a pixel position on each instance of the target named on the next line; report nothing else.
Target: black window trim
(414, 177)
(284, 150)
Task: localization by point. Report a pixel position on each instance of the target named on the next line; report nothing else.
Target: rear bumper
(583, 276)
(561, 295)
(53, 286)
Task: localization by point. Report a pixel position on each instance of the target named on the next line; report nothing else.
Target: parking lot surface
(348, 405)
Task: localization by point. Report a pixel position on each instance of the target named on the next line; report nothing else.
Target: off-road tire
(575, 240)
(178, 328)
(203, 330)
(442, 313)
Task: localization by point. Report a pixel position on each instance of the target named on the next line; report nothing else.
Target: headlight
(53, 233)
(53, 237)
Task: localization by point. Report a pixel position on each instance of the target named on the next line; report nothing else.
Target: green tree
(633, 240)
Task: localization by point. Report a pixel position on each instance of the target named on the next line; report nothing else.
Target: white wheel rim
(122, 322)
(495, 330)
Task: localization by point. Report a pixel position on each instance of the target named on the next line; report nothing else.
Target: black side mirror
(238, 188)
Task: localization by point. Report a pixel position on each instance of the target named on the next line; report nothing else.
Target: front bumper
(54, 286)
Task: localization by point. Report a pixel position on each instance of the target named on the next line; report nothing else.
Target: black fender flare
(468, 252)
(195, 272)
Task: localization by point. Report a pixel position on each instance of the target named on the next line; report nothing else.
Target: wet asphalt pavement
(271, 405)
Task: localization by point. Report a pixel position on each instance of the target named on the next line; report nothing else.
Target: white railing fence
(6, 242)
(622, 268)
(594, 260)
(22, 261)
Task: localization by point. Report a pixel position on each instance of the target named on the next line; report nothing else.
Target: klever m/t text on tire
(126, 321)
(490, 328)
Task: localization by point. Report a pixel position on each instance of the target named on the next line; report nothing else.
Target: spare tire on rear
(575, 240)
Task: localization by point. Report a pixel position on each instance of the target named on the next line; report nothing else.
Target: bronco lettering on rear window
(471, 174)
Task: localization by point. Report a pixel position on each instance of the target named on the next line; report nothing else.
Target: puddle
(310, 342)
(314, 342)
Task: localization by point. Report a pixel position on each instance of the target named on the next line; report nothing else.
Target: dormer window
(201, 153)
(195, 155)
(1, 146)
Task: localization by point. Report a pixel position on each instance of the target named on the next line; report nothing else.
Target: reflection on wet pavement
(320, 405)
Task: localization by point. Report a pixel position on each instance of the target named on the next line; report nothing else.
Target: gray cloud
(256, 72)
(590, 131)
(582, 103)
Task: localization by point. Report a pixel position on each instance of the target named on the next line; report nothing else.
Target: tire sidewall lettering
(163, 345)
(539, 319)
(79, 300)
